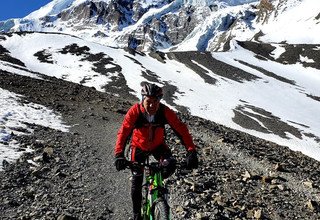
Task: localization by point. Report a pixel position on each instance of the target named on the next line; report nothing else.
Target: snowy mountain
(202, 25)
(265, 83)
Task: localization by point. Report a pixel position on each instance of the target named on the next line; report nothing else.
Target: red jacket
(148, 136)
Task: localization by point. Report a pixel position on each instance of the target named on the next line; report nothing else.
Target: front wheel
(161, 210)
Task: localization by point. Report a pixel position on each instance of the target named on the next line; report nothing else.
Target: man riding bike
(145, 123)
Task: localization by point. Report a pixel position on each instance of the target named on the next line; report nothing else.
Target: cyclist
(144, 123)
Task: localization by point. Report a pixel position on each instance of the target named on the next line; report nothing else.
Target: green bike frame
(154, 191)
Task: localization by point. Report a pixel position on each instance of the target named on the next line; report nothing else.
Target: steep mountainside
(171, 25)
(276, 85)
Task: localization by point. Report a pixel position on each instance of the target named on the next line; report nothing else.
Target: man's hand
(192, 160)
(120, 162)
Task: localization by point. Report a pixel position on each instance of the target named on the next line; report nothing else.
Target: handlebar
(135, 165)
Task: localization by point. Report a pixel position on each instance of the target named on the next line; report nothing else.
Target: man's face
(151, 105)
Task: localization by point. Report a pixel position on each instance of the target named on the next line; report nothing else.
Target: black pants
(161, 153)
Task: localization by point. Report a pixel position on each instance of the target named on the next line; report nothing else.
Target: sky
(19, 8)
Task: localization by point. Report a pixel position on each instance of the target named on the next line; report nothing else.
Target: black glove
(192, 160)
(120, 162)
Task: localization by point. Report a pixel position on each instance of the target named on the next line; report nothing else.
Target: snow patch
(14, 117)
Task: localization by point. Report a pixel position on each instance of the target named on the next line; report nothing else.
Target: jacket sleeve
(126, 129)
(180, 129)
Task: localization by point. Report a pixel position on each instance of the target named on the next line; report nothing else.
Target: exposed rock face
(92, 13)
(166, 30)
(160, 24)
(155, 25)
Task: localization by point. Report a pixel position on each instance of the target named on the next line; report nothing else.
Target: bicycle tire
(161, 210)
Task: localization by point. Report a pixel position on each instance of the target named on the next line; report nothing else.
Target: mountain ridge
(168, 25)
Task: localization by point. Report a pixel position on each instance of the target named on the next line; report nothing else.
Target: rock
(246, 176)
(279, 167)
(36, 173)
(281, 187)
(199, 215)
(250, 214)
(258, 214)
(179, 209)
(266, 179)
(66, 217)
(38, 158)
(308, 184)
(49, 151)
(47, 154)
(5, 164)
(313, 205)
(218, 200)
(40, 171)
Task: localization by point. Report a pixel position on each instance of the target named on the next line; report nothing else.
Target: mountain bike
(155, 194)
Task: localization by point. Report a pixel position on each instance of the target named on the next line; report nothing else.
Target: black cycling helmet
(150, 89)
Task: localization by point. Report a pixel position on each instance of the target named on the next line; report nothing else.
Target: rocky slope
(240, 177)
